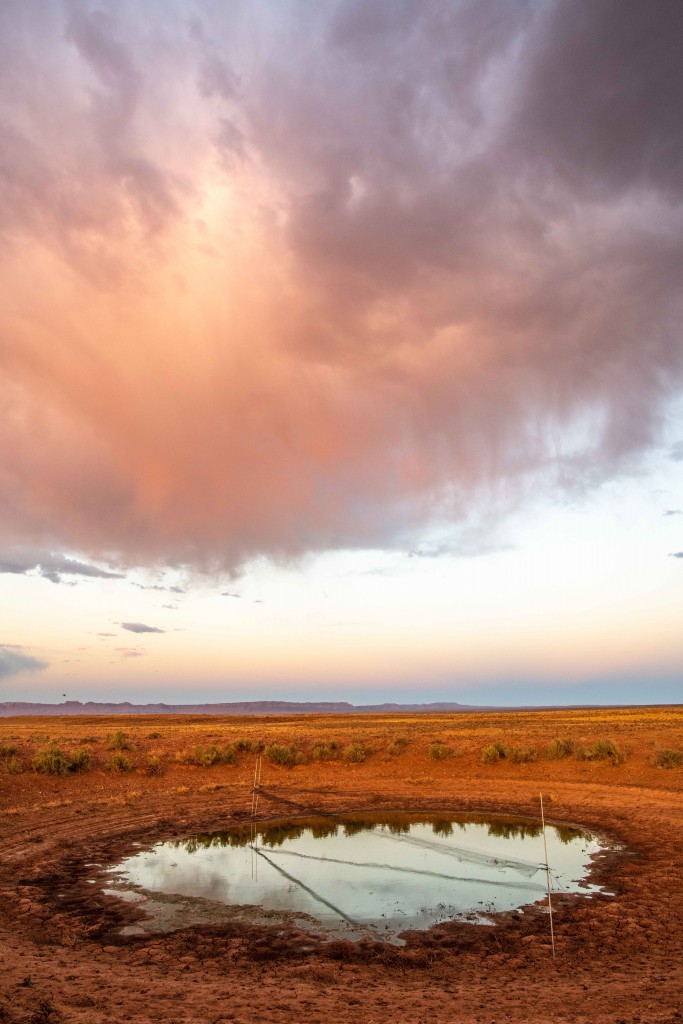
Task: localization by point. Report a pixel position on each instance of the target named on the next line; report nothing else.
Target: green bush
(603, 750)
(118, 741)
(520, 755)
(397, 746)
(493, 753)
(250, 746)
(80, 761)
(669, 758)
(155, 765)
(355, 753)
(55, 761)
(325, 751)
(204, 757)
(561, 748)
(51, 761)
(278, 753)
(440, 751)
(118, 763)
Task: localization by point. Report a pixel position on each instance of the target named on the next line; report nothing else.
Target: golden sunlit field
(79, 790)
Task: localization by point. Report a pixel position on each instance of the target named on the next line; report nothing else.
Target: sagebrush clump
(561, 748)
(669, 758)
(278, 753)
(325, 751)
(118, 741)
(493, 753)
(440, 751)
(205, 757)
(55, 761)
(118, 763)
(356, 753)
(602, 750)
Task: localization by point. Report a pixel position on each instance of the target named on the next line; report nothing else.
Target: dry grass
(567, 743)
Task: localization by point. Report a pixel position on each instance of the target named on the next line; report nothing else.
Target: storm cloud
(284, 277)
(13, 661)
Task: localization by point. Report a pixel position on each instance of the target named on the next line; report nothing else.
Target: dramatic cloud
(281, 277)
(13, 660)
(51, 567)
(140, 627)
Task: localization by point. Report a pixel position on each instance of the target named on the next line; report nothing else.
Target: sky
(340, 350)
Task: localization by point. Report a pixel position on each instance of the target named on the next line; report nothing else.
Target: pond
(354, 876)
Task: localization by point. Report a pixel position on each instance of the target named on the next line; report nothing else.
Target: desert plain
(81, 791)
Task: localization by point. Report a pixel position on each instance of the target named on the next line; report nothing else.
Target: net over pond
(356, 876)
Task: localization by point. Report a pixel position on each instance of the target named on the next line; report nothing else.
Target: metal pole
(547, 870)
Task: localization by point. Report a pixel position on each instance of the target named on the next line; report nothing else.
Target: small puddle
(353, 876)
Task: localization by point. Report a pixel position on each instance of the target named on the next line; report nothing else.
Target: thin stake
(547, 869)
(254, 807)
(253, 789)
(257, 784)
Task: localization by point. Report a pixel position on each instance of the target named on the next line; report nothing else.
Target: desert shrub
(397, 746)
(8, 750)
(51, 761)
(249, 746)
(80, 761)
(55, 761)
(88, 739)
(155, 765)
(355, 752)
(561, 748)
(325, 751)
(603, 750)
(493, 753)
(520, 755)
(204, 757)
(278, 753)
(669, 758)
(153, 735)
(440, 751)
(10, 766)
(118, 763)
(118, 741)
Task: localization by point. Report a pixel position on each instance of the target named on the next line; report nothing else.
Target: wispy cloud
(130, 652)
(158, 587)
(140, 627)
(51, 566)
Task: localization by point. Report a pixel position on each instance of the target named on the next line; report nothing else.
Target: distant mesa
(249, 707)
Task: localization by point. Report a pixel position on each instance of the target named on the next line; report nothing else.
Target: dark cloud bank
(13, 661)
(473, 264)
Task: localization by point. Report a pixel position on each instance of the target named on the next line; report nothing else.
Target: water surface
(355, 876)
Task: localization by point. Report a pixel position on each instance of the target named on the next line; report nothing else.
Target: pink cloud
(333, 296)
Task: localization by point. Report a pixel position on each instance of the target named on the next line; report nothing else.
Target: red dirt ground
(620, 958)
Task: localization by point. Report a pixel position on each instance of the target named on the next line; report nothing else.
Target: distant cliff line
(249, 707)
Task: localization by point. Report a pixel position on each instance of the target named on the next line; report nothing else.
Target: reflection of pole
(254, 807)
(547, 870)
